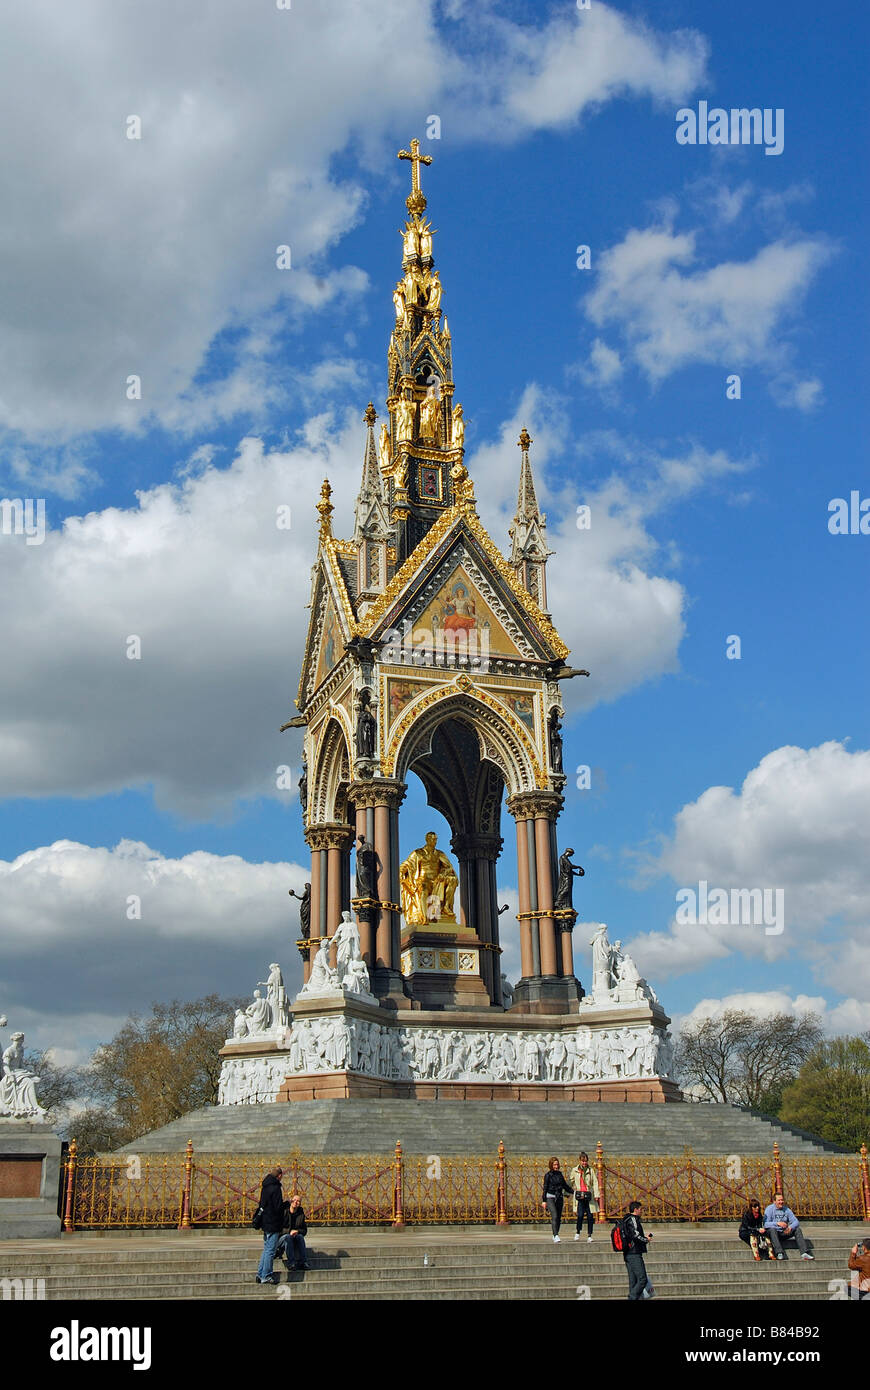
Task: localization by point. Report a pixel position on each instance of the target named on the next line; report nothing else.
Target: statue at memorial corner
(427, 884)
(385, 449)
(565, 885)
(554, 730)
(304, 908)
(458, 427)
(366, 727)
(365, 868)
(18, 1083)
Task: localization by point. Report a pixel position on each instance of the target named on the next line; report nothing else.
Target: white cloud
(603, 367)
(673, 312)
(146, 250)
(208, 922)
(804, 395)
(800, 823)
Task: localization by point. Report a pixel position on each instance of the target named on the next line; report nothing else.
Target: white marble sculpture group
(350, 975)
(615, 977)
(17, 1082)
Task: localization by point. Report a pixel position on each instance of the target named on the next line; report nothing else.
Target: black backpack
(257, 1219)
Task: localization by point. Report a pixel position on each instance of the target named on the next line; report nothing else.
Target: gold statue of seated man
(428, 883)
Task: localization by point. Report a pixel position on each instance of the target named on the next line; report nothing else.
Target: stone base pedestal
(441, 968)
(547, 994)
(29, 1179)
(350, 1086)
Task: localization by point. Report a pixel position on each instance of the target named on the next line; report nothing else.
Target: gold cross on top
(416, 159)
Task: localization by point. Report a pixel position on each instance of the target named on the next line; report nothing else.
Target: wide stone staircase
(475, 1127)
(684, 1262)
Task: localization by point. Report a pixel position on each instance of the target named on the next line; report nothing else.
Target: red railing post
(69, 1203)
(501, 1216)
(184, 1223)
(865, 1183)
(398, 1189)
(602, 1182)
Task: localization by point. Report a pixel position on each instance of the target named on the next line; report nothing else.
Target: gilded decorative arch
(502, 737)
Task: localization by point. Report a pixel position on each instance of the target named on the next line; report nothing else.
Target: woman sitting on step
(752, 1231)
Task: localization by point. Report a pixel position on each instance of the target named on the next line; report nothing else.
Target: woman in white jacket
(584, 1181)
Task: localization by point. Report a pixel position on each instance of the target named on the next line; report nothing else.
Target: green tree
(831, 1095)
(156, 1069)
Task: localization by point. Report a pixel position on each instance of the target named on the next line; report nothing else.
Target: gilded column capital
(380, 791)
(531, 805)
(333, 835)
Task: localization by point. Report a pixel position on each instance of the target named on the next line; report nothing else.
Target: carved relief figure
(366, 727)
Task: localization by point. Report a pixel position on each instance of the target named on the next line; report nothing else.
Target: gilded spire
(527, 501)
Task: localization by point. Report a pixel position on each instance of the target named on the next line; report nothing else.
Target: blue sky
(156, 257)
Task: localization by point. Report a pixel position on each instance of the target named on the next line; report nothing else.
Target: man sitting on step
(781, 1224)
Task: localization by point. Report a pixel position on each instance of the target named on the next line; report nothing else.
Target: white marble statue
(240, 1024)
(323, 978)
(602, 964)
(259, 1014)
(18, 1083)
(352, 969)
(507, 992)
(277, 996)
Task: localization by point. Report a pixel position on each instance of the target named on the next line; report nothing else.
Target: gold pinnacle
(416, 203)
(524, 440)
(371, 414)
(325, 507)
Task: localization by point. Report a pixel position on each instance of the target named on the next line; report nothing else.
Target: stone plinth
(441, 967)
(29, 1179)
(339, 1048)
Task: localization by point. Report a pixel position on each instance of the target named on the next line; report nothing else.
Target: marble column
(547, 984)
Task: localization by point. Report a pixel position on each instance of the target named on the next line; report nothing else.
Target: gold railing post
(69, 1207)
(184, 1223)
(865, 1183)
(777, 1170)
(398, 1185)
(501, 1216)
(602, 1182)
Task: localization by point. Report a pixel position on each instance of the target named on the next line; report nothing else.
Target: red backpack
(618, 1239)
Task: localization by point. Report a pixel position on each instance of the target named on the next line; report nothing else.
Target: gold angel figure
(430, 410)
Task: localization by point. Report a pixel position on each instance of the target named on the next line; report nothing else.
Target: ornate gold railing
(220, 1190)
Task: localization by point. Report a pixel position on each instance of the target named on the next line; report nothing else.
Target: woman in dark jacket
(752, 1231)
(553, 1194)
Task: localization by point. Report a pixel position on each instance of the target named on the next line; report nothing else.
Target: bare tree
(736, 1056)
